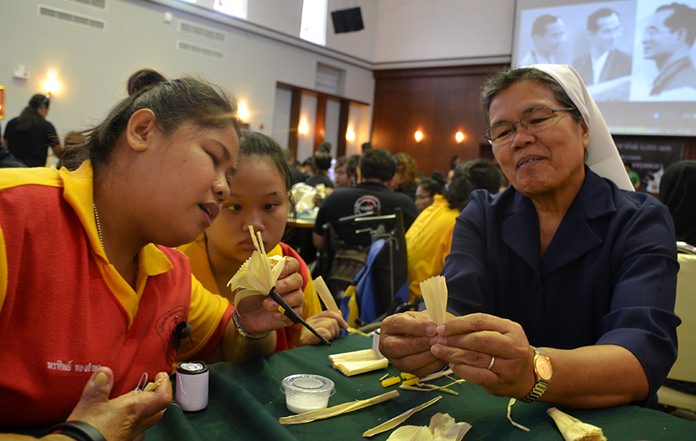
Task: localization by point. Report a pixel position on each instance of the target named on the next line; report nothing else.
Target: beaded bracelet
(243, 332)
(78, 430)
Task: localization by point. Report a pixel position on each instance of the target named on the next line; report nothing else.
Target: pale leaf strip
(339, 409)
(390, 424)
(325, 294)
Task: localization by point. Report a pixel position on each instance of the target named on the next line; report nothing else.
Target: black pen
(292, 315)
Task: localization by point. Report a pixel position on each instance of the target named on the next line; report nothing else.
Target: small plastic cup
(305, 392)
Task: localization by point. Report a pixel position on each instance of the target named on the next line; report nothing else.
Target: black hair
(174, 103)
(143, 78)
(432, 186)
(458, 191)
(30, 116)
(683, 17)
(500, 81)
(481, 173)
(377, 164)
(322, 161)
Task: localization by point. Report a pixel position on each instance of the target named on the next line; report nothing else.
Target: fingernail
(430, 330)
(100, 379)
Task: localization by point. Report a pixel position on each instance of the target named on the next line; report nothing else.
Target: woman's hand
(406, 339)
(469, 343)
(125, 417)
(259, 314)
(327, 323)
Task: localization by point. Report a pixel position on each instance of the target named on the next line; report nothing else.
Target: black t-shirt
(31, 146)
(363, 198)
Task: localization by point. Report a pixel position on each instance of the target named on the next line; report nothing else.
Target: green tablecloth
(246, 401)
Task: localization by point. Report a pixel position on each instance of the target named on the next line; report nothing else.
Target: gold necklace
(98, 222)
(101, 241)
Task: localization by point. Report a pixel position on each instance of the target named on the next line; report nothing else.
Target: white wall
(93, 65)
(442, 32)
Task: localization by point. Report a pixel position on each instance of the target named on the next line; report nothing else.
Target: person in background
(562, 287)
(259, 197)
(7, 160)
(405, 180)
(603, 61)
(678, 192)
(482, 174)
(548, 33)
(426, 192)
(429, 239)
(371, 195)
(667, 40)
(30, 135)
(297, 174)
(308, 167)
(322, 161)
(345, 171)
(120, 299)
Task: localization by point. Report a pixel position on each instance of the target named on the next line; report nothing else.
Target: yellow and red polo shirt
(65, 310)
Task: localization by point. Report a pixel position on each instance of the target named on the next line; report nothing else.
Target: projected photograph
(637, 57)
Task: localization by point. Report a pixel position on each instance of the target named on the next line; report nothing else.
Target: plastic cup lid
(307, 383)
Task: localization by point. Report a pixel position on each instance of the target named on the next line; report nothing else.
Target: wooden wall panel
(438, 101)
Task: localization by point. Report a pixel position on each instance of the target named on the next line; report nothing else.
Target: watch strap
(540, 385)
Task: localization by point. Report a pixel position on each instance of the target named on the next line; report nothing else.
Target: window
(235, 8)
(313, 27)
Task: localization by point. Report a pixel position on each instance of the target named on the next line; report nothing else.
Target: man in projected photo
(548, 32)
(667, 40)
(603, 61)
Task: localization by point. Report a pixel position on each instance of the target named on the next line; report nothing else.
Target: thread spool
(192, 386)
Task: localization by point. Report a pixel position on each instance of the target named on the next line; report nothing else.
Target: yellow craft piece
(390, 381)
(411, 381)
(258, 274)
(573, 429)
(407, 376)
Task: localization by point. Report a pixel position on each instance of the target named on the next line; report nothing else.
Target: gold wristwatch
(543, 371)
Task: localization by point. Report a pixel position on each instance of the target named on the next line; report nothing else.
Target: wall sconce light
(303, 127)
(243, 110)
(350, 134)
(418, 135)
(459, 137)
(52, 84)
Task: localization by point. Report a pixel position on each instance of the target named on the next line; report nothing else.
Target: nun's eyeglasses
(532, 120)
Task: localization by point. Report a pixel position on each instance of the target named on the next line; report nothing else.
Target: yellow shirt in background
(428, 242)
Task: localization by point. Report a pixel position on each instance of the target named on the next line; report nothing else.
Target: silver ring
(490, 365)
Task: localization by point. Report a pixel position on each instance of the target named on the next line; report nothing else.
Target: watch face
(543, 367)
